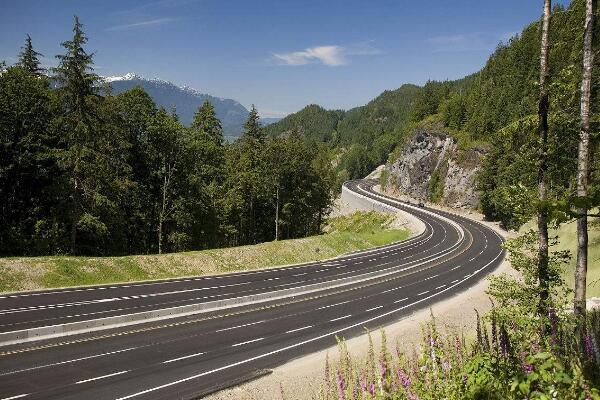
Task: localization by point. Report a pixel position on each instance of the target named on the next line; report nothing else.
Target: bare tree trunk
(583, 160)
(161, 214)
(164, 211)
(543, 167)
(277, 216)
(159, 230)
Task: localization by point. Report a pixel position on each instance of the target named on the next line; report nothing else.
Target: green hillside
(496, 105)
(312, 121)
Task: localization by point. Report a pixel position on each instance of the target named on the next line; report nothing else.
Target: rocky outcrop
(432, 167)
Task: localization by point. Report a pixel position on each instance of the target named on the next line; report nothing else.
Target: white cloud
(478, 41)
(141, 24)
(331, 55)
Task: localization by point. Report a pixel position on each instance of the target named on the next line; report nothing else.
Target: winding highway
(190, 355)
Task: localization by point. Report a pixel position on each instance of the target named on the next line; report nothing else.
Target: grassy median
(357, 231)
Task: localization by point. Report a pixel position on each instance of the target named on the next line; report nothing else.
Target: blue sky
(281, 54)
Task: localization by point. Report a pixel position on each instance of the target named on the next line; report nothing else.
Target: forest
(84, 172)
(495, 108)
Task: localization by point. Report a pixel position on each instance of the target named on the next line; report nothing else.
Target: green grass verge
(567, 236)
(357, 231)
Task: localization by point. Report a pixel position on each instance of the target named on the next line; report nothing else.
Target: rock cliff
(432, 167)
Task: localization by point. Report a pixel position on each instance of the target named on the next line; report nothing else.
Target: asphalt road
(192, 356)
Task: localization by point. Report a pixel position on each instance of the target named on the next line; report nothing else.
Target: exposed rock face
(433, 161)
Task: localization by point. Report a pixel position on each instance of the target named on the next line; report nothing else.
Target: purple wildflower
(382, 369)
(363, 381)
(413, 396)
(403, 378)
(446, 366)
(528, 368)
(504, 341)
(341, 385)
(589, 346)
(494, 333)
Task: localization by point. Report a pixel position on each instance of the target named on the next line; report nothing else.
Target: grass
(567, 235)
(357, 231)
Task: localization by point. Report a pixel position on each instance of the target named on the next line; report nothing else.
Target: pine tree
(205, 120)
(28, 58)
(252, 127)
(92, 151)
(75, 72)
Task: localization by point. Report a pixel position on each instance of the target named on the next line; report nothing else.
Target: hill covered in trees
(497, 107)
(83, 171)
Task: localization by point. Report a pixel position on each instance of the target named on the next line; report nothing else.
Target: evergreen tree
(28, 58)
(90, 151)
(27, 165)
(136, 110)
(252, 127)
(75, 73)
(205, 120)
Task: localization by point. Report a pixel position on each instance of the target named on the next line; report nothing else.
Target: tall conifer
(29, 58)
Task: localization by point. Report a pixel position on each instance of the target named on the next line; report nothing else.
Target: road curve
(188, 357)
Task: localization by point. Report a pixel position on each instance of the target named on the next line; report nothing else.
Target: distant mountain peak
(127, 77)
(184, 99)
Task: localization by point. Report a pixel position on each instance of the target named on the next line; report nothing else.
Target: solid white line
(374, 308)
(299, 329)
(102, 377)
(249, 341)
(337, 319)
(15, 397)
(182, 358)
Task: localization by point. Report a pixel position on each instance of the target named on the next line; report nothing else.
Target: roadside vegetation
(565, 237)
(514, 354)
(357, 231)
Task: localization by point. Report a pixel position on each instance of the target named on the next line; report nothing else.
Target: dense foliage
(363, 136)
(85, 172)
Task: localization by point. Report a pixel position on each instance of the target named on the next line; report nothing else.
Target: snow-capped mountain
(185, 100)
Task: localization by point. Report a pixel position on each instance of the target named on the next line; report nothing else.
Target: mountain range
(186, 100)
